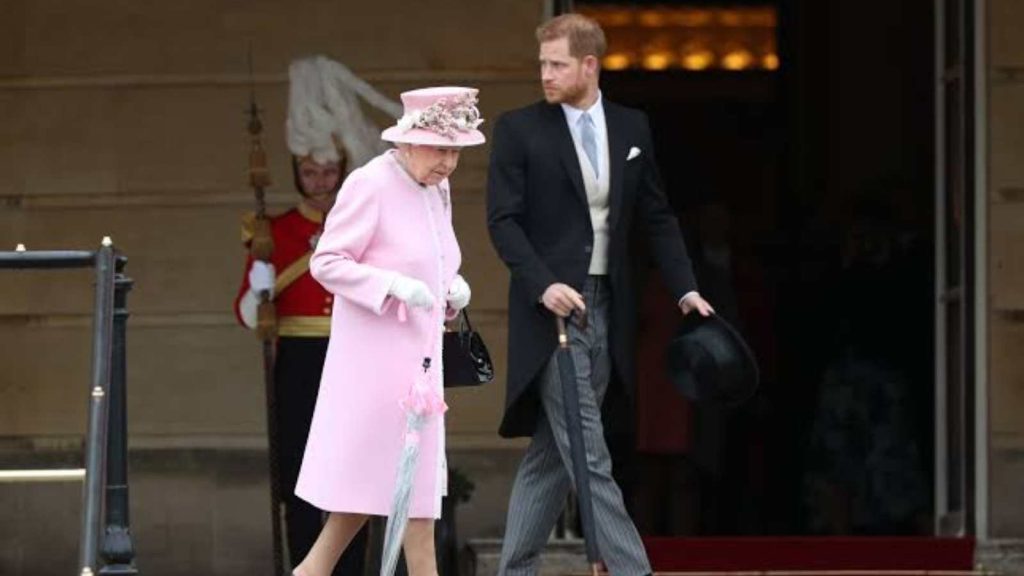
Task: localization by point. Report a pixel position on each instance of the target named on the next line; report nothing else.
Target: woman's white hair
(324, 112)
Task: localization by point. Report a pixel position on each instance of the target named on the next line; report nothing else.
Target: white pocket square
(633, 153)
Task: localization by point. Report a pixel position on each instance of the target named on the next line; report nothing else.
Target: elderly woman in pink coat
(389, 254)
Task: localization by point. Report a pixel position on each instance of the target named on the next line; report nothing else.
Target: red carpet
(810, 554)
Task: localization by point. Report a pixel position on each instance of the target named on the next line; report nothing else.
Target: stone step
(560, 557)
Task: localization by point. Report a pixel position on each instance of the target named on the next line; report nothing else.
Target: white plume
(323, 105)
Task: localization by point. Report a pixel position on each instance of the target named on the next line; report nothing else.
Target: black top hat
(709, 361)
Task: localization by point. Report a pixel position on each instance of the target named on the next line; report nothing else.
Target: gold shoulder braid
(248, 226)
(292, 272)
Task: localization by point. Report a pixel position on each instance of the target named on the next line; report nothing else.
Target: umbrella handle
(560, 326)
(563, 336)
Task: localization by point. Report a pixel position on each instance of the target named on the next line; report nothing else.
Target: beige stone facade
(128, 121)
(1005, 237)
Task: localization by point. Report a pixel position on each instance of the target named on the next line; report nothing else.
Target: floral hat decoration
(439, 116)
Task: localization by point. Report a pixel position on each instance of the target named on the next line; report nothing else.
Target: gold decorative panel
(688, 38)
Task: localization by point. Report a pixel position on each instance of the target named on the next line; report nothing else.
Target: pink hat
(440, 116)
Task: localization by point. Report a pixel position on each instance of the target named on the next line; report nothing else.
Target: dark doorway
(806, 194)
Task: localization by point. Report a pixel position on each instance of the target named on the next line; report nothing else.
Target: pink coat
(382, 224)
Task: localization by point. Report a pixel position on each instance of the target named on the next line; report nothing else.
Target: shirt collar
(596, 111)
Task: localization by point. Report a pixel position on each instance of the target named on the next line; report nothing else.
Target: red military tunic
(303, 306)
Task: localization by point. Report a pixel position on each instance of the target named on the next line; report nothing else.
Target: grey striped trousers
(545, 474)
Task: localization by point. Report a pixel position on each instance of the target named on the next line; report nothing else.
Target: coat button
(327, 310)
(588, 249)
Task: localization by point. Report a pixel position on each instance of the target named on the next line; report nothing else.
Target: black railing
(118, 551)
(105, 519)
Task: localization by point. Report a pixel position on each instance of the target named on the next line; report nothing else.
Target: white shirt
(596, 111)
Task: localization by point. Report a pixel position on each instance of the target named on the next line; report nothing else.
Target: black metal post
(107, 388)
(47, 259)
(118, 549)
(96, 441)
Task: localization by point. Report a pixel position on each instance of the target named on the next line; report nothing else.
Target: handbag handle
(464, 320)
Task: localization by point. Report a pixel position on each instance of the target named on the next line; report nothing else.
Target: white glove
(413, 292)
(459, 294)
(261, 277)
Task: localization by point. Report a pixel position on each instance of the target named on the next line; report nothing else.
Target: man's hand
(693, 301)
(562, 300)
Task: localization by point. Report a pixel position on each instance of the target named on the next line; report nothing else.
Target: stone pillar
(1004, 548)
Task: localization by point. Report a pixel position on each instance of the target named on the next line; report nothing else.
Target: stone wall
(126, 119)
(1006, 268)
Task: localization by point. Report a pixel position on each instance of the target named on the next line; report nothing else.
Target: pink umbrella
(422, 403)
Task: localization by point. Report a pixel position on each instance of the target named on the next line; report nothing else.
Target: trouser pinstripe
(545, 474)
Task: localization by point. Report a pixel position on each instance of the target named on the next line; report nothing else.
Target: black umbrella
(574, 428)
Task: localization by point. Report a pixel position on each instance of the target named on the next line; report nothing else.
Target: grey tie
(589, 140)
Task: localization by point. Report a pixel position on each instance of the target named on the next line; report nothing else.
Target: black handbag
(465, 357)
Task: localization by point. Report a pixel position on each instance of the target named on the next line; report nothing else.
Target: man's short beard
(576, 93)
(569, 95)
